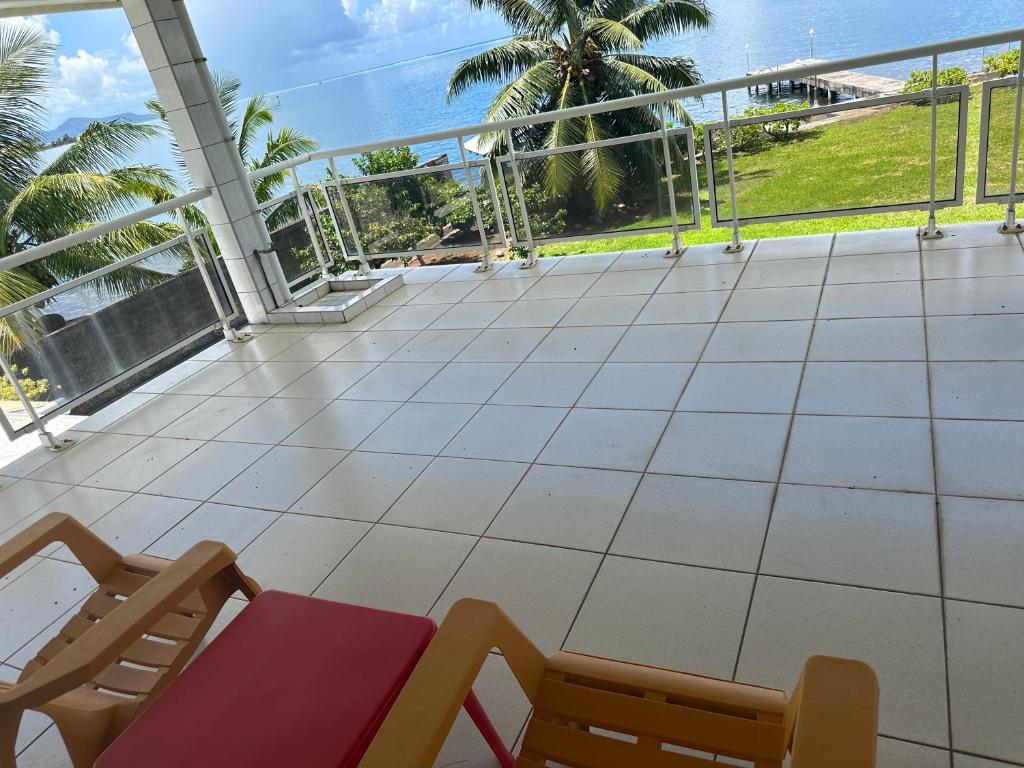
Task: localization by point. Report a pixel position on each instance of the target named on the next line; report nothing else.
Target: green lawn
(872, 160)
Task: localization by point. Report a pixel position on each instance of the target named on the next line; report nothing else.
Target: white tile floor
(720, 463)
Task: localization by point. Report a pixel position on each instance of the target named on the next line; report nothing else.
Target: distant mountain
(74, 126)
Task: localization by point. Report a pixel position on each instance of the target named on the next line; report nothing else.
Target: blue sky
(268, 43)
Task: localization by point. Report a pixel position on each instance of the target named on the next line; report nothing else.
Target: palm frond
(102, 146)
(522, 16)
(671, 71)
(21, 328)
(510, 59)
(258, 114)
(562, 170)
(612, 35)
(658, 18)
(600, 166)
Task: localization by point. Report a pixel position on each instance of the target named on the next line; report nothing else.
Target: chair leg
(85, 734)
(9, 724)
(483, 723)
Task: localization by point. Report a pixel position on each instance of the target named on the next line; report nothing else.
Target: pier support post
(1011, 226)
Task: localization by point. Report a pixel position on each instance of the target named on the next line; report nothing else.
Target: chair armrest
(95, 554)
(102, 644)
(832, 718)
(417, 724)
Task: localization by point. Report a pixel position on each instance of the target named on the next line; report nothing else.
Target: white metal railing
(497, 165)
(190, 244)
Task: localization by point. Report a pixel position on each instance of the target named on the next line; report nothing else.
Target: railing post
(47, 439)
(531, 260)
(334, 220)
(229, 333)
(676, 249)
(512, 237)
(325, 271)
(499, 216)
(931, 231)
(736, 245)
(364, 265)
(486, 263)
(1011, 225)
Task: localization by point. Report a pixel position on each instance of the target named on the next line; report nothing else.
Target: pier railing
(506, 211)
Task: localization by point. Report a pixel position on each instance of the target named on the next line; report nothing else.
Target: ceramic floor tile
(606, 439)
(605, 310)
(410, 318)
(426, 275)
(865, 538)
(501, 290)
(543, 313)
(511, 345)
(21, 498)
(279, 478)
(86, 505)
(591, 262)
(554, 384)
(403, 294)
(993, 261)
(392, 381)
(992, 337)
(900, 636)
(641, 281)
(780, 273)
(460, 495)
(648, 386)
(982, 552)
(153, 415)
(343, 424)
(875, 241)
(712, 277)
(566, 507)
(235, 526)
(327, 380)
(373, 346)
(364, 321)
(423, 428)
(443, 293)
(133, 526)
(746, 387)
(664, 614)
(211, 417)
(975, 233)
(970, 458)
(212, 378)
(434, 346)
(316, 347)
(896, 299)
(467, 273)
(578, 345)
(662, 343)
(86, 458)
(737, 446)
(986, 679)
(651, 258)
(472, 315)
(865, 389)
(978, 390)
(495, 571)
(116, 410)
(362, 487)
(879, 453)
(875, 268)
(48, 751)
(173, 376)
(516, 269)
(758, 342)
(142, 464)
(297, 552)
(905, 754)
(694, 307)
(398, 569)
(465, 383)
(263, 347)
(713, 523)
(975, 296)
(273, 421)
(714, 253)
(887, 338)
(203, 473)
(792, 247)
(506, 433)
(561, 287)
(38, 597)
(772, 304)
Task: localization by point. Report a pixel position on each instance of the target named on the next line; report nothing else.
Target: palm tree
(44, 197)
(568, 53)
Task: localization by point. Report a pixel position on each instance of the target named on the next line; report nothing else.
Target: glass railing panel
(289, 237)
(997, 139)
(76, 342)
(788, 165)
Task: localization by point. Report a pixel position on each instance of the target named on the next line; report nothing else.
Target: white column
(185, 90)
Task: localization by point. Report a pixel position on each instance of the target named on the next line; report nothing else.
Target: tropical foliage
(568, 53)
(46, 195)
(921, 79)
(1004, 63)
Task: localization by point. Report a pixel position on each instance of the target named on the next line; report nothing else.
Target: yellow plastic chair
(590, 712)
(125, 643)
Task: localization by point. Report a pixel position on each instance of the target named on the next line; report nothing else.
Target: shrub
(36, 389)
(921, 79)
(1004, 63)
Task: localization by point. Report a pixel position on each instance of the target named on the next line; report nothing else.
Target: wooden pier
(835, 84)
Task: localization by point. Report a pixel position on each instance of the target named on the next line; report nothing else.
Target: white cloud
(389, 17)
(131, 63)
(351, 8)
(39, 23)
(107, 79)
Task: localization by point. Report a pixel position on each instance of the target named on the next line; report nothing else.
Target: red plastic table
(292, 681)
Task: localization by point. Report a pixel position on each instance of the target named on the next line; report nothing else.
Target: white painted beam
(35, 7)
